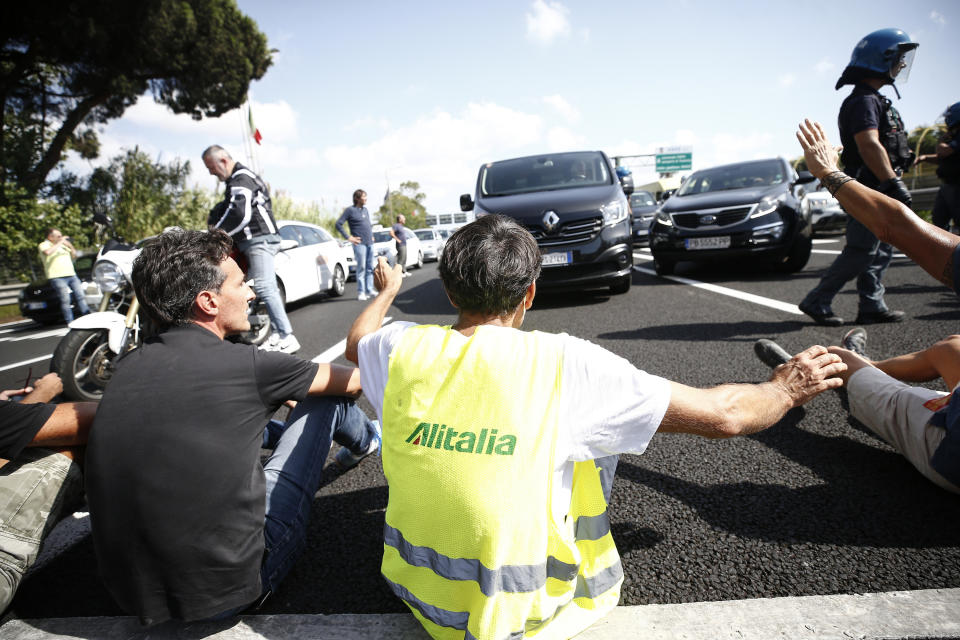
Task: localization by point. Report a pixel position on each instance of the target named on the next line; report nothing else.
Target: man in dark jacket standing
(246, 216)
(875, 153)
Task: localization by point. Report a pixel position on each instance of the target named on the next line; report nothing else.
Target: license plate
(554, 259)
(36, 305)
(712, 242)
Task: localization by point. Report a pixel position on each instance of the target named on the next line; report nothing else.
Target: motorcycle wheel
(84, 362)
(258, 333)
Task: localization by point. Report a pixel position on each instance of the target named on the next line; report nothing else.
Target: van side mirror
(466, 202)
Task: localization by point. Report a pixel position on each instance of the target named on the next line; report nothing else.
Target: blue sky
(365, 93)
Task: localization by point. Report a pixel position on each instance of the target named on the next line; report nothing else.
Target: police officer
(875, 152)
(947, 206)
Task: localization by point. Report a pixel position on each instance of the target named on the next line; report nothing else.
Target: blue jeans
(863, 257)
(260, 252)
(64, 286)
(363, 254)
(292, 474)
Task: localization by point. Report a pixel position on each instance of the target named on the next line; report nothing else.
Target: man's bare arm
(740, 409)
(890, 220)
(874, 155)
(335, 380)
(68, 425)
(387, 280)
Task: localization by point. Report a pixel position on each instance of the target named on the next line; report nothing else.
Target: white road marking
(337, 350)
(26, 362)
(14, 325)
(825, 240)
(36, 336)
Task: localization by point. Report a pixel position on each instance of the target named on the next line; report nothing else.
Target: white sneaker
(270, 344)
(362, 296)
(290, 344)
(347, 459)
(407, 274)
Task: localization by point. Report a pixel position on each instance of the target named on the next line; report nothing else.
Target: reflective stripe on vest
(470, 542)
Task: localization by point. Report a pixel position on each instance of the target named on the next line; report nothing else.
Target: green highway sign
(670, 162)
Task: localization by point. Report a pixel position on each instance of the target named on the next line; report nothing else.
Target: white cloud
(938, 17)
(568, 111)
(563, 139)
(730, 147)
(824, 66)
(368, 122)
(547, 22)
(787, 79)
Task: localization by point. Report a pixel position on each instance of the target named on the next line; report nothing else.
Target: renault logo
(550, 221)
(708, 219)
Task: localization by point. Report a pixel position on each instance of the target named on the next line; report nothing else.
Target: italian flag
(253, 128)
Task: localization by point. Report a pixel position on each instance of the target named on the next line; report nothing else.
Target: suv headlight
(767, 205)
(664, 218)
(108, 276)
(615, 211)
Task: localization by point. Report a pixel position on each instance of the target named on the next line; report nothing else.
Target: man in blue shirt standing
(361, 236)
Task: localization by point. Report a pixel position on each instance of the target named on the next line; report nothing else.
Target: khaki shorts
(895, 411)
(33, 491)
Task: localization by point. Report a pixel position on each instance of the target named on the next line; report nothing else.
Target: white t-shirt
(608, 405)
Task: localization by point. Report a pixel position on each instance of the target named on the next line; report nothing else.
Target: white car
(825, 211)
(431, 241)
(310, 261)
(385, 245)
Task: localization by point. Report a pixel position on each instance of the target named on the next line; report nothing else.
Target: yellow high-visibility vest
(470, 428)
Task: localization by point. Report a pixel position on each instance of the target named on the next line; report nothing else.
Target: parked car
(385, 245)
(40, 302)
(643, 208)
(576, 208)
(431, 242)
(310, 261)
(747, 209)
(826, 214)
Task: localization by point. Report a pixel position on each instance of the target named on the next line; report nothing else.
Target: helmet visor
(900, 70)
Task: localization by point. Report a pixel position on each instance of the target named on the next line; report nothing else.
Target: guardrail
(9, 293)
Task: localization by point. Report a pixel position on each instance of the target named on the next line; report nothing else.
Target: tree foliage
(66, 67)
(408, 200)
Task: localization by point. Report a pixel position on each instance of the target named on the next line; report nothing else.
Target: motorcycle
(86, 356)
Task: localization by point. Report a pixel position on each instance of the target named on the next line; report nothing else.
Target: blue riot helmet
(886, 54)
(623, 171)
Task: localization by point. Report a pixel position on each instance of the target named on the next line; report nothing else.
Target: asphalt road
(812, 506)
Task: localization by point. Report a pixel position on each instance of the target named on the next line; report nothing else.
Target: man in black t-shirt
(187, 524)
(38, 475)
(875, 152)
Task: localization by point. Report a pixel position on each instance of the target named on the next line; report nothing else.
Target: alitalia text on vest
(440, 436)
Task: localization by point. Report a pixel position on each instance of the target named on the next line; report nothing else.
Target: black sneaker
(770, 353)
(855, 340)
(876, 317)
(828, 319)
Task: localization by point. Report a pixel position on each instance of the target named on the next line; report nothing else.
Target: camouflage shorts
(33, 490)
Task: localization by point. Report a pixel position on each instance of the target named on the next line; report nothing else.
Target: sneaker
(362, 296)
(290, 344)
(876, 317)
(347, 459)
(855, 340)
(407, 274)
(270, 344)
(770, 353)
(829, 319)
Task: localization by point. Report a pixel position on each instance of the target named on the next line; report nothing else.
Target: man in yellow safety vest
(496, 522)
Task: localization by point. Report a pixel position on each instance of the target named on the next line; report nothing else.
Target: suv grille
(574, 232)
(725, 217)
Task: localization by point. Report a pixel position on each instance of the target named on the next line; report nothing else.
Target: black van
(575, 207)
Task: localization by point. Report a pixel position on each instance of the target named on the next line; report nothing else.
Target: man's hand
(821, 157)
(809, 373)
(6, 394)
(44, 389)
(386, 278)
(896, 189)
(354, 239)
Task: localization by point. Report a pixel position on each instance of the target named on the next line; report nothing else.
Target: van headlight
(614, 212)
(767, 205)
(664, 218)
(108, 276)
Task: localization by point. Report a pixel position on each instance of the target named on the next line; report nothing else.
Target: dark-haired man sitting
(496, 522)
(187, 524)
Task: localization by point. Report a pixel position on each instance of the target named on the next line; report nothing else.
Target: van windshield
(762, 173)
(544, 173)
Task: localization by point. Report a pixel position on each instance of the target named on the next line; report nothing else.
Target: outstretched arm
(741, 409)
(387, 280)
(891, 221)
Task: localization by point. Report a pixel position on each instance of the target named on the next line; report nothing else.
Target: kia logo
(708, 219)
(550, 221)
